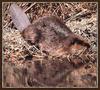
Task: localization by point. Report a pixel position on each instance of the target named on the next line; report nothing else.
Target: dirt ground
(26, 66)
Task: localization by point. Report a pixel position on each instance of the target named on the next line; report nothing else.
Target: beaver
(48, 33)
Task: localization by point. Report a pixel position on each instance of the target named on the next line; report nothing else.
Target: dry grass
(81, 18)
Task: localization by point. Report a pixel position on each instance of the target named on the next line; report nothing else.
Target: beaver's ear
(19, 17)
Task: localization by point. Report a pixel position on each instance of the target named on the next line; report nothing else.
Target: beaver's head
(78, 45)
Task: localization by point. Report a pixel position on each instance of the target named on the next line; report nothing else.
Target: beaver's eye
(77, 41)
(73, 42)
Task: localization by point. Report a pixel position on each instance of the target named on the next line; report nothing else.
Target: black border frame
(98, 1)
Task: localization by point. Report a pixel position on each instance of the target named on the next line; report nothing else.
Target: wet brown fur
(50, 34)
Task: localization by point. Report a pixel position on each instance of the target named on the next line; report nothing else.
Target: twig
(76, 15)
(29, 7)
